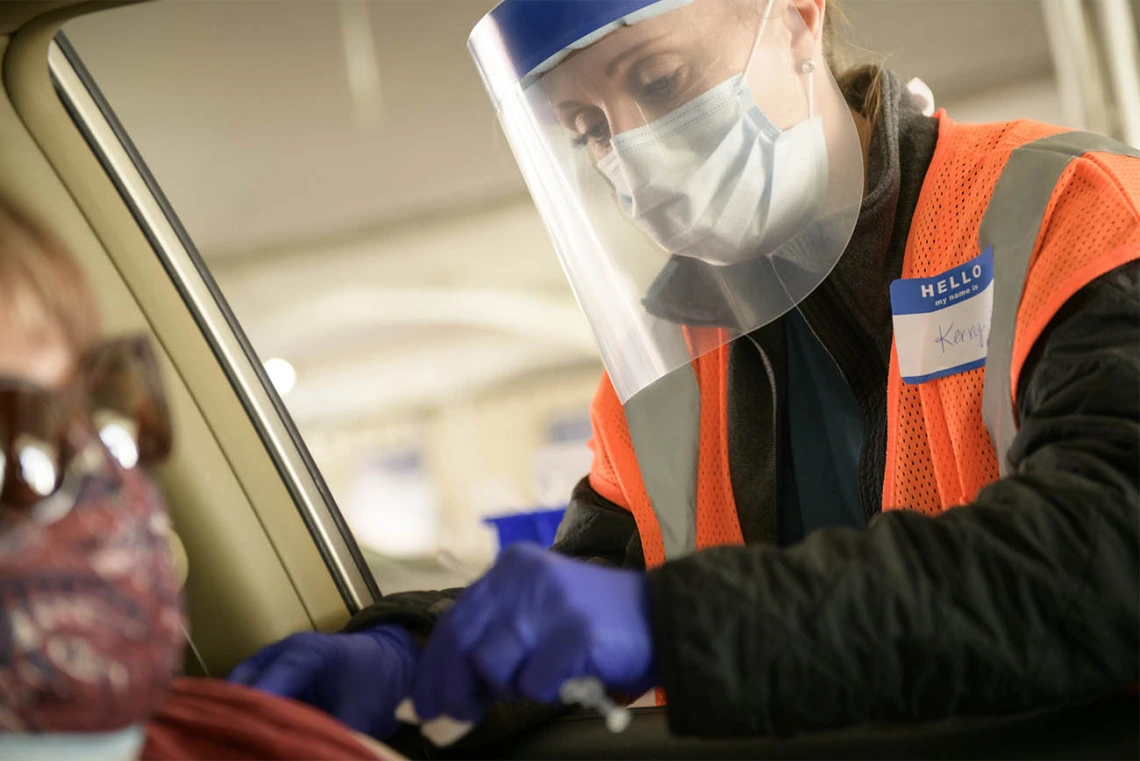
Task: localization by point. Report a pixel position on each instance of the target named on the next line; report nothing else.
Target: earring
(807, 68)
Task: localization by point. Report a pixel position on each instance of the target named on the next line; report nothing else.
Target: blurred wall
(484, 454)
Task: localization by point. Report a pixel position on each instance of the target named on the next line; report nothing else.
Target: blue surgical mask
(716, 180)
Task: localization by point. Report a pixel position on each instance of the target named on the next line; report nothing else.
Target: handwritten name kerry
(948, 336)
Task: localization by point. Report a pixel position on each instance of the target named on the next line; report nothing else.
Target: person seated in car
(91, 615)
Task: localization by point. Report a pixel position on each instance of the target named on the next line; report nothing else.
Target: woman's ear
(811, 11)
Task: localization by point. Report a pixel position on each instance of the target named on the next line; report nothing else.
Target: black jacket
(1026, 598)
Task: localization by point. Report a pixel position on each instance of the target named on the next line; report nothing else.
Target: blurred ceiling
(366, 216)
(250, 100)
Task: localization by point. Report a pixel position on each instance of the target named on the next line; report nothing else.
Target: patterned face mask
(91, 627)
(90, 609)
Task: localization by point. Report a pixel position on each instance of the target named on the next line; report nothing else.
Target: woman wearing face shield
(867, 447)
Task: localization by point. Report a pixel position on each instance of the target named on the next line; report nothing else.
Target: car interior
(264, 549)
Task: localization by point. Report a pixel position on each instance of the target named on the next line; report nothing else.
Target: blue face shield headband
(521, 40)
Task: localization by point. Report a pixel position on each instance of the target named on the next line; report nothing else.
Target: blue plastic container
(539, 527)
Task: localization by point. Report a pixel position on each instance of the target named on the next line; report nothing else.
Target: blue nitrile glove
(358, 678)
(535, 620)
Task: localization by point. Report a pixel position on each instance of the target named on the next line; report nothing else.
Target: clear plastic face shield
(693, 160)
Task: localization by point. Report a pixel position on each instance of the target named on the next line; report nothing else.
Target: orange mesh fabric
(615, 474)
(717, 520)
(923, 443)
(603, 474)
(939, 453)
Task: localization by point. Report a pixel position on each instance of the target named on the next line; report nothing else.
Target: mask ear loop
(759, 36)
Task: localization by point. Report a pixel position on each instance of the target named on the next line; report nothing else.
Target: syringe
(589, 692)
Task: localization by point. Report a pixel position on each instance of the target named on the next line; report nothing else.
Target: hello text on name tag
(942, 323)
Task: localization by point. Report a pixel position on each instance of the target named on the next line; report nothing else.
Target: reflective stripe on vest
(664, 423)
(1011, 224)
(666, 452)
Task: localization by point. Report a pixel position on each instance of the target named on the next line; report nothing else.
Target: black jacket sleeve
(596, 529)
(1026, 598)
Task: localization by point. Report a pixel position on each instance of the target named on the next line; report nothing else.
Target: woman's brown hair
(41, 281)
(861, 85)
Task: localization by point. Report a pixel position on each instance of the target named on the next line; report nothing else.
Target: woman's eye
(660, 88)
(658, 80)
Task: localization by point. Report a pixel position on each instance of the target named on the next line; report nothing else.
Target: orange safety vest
(1059, 208)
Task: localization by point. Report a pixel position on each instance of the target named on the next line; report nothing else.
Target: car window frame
(109, 141)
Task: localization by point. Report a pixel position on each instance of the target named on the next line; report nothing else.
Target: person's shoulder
(994, 140)
(1097, 176)
(1091, 164)
(1043, 138)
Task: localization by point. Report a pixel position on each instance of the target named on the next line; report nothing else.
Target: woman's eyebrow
(611, 67)
(568, 105)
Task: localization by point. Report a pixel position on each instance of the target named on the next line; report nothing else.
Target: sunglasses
(116, 396)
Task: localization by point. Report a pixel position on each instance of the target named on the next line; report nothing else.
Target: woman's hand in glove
(535, 620)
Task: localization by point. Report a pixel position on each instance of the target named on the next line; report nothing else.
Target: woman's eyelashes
(660, 90)
(590, 128)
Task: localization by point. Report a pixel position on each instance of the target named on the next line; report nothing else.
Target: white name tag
(942, 323)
